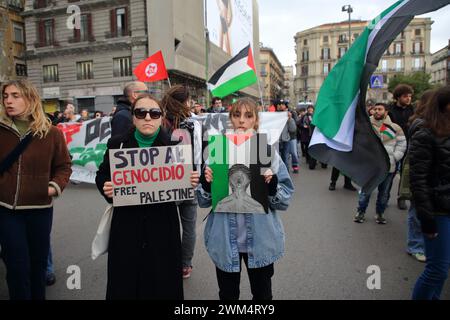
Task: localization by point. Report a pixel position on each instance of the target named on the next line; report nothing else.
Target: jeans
(415, 236)
(290, 148)
(25, 241)
(188, 217)
(384, 190)
(50, 267)
(431, 281)
(260, 282)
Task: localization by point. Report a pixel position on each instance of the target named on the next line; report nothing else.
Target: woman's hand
(52, 191)
(195, 178)
(108, 189)
(268, 176)
(208, 174)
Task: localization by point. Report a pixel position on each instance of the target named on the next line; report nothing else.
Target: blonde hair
(250, 106)
(40, 124)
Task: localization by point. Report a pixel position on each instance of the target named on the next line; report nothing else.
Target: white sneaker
(419, 256)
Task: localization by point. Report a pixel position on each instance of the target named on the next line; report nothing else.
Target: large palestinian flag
(236, 74)
(343, 136)
(239, 160)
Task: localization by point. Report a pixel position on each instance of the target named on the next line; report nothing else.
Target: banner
(230, 24)
(87, 141)
(144, 176)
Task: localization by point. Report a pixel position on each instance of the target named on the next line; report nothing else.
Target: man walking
(394, 142)
(400, 111)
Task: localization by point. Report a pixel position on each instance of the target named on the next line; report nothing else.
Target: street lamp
(348, 8)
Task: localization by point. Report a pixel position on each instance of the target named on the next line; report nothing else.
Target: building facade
(90, 65)
(288, 89)
(271, 75)
(12, 40)
(440, 66)
(318, 49)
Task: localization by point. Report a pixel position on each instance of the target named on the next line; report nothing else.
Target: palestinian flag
(343, 136)
(236, 74)
(388, 131)
(239, 153)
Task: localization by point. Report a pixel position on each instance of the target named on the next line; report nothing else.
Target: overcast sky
(280, 20)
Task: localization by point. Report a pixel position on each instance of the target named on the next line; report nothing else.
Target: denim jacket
(265, 233)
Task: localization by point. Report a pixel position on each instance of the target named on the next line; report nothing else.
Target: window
(326, 68)
(21, 70)
(40, 4)
(85, 70)
(326, 53)
(84, 28)
(385, 79)
(86, 103)
(305, 56)
(398, 48)
(119, 22)
(18, 33)
(342, 51)
(305, 84)
(120, 18)
(342, 38)
(416, 47)
(417, 63)
(417, 32)
(48, 32)
(398, 64)
(122, 67)
(50, 73)
(385, 96)
(325, 39)
(305, 42)
(384, 65)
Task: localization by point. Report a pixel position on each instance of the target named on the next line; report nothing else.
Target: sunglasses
(141, 113)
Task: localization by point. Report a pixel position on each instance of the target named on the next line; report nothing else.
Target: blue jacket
(265, 233)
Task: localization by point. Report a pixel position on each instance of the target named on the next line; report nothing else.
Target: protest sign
(86, 142)
(143, 176)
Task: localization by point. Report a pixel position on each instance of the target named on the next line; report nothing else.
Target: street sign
(376, 82)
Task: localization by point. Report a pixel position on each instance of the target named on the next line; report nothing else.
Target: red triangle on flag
(239, 139)
(250, 60)
(152, 69)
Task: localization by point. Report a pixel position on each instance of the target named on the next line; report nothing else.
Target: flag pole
(168, 80)
(207, 49)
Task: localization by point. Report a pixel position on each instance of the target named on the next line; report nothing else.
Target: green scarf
(22, 126)
(145, 141)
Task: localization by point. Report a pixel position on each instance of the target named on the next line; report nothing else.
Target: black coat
(122, 120)
(144, 254)
(401, 116)
(430, 167)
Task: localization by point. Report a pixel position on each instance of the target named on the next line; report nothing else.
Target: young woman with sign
(144, 254)
(258, 238)
(35, 167)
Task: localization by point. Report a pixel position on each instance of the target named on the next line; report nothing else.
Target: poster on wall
(230, 24)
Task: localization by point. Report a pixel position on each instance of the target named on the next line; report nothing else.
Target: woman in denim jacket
(258, 239)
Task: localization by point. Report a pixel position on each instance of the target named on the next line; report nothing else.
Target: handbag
(101, 239)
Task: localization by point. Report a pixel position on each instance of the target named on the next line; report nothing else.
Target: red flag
(152, 69)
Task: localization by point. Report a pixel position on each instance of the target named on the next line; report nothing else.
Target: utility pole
(348, 8)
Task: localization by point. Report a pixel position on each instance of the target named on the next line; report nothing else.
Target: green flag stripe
(340, 88)
(218, 155)
(241, 81)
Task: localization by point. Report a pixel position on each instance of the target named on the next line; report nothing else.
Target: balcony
(417, 69)
(15, 5)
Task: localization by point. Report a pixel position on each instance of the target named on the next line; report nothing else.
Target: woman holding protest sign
(34, 168)
(256, 238)
(144, 254)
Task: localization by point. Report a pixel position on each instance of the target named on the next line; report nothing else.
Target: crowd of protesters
(149, 254)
